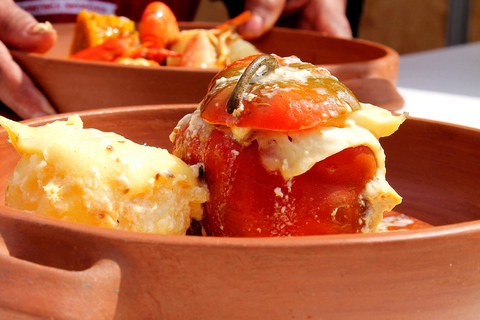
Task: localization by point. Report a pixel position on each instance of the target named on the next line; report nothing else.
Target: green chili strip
(236, 97)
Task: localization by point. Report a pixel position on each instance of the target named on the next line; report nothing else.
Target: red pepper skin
(247, 200)
(243, 202)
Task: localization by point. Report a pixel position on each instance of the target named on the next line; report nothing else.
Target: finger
(20, 30)
(18, 92)
(266, 14)
(327, 16)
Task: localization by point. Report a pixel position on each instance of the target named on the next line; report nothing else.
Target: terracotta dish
(55, 269)
(73, 85)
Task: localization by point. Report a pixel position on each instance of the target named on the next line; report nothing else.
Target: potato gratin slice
(102, 179)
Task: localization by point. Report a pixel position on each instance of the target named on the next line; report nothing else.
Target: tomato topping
(295, 96)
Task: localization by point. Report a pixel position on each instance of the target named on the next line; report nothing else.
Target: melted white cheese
(294, 153)
(400, 221)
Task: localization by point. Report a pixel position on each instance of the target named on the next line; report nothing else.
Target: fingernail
(43, 27)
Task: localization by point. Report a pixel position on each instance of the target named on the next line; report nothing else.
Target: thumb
(265, 15)
(17, 90)
(20, 30)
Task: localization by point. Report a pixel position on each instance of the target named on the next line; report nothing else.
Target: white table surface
(443, 84)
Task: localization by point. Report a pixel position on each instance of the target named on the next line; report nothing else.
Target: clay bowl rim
(320, 240)
(386, 51)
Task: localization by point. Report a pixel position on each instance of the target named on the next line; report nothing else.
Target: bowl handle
(32, 290)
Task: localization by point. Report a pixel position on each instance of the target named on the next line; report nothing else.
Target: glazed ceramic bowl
(73, 85)
(56, 269)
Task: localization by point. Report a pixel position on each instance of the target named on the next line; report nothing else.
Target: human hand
(19, 30)
(327, 16)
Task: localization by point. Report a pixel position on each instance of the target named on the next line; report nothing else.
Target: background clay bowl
(80, 85)
(56, 269)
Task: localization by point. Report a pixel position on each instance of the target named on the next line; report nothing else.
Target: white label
(53, 7)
